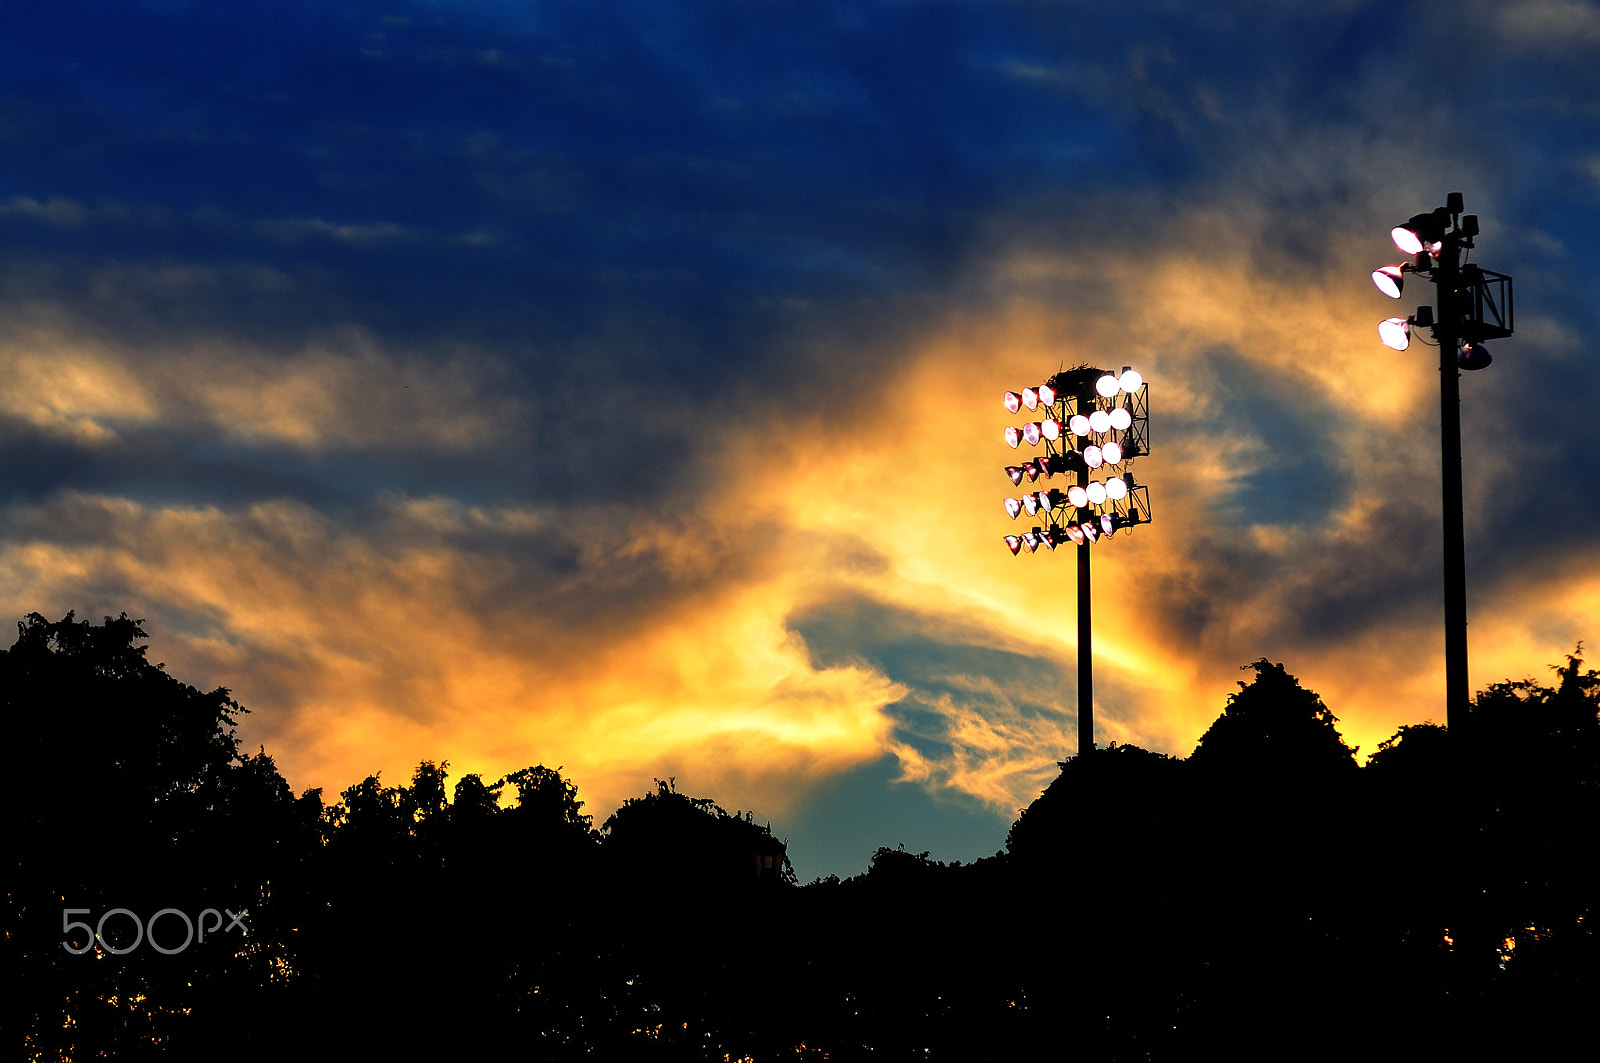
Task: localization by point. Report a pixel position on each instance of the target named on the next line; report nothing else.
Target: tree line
(169, 896)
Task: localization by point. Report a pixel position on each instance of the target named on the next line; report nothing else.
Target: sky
(616, 386)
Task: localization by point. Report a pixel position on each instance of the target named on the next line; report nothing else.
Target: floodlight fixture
(1050, 428)
(1096, 492)
(1091, 530)
(1013, 543)
(1074, 533)
(1032, 432)
(1093, 456)
(1100, 422)
(1030, 539)
(1015, 474)
(1030, 469)
(1116, 489)
(1013, 437)
(1030, 502)
(1395, 332)
(1079, 424)
(1078, 495)
(1406, 239)
(1107, 386)
(1130, 380)
(1013, 402)
(1013, 507)
(1111, 452)
(1390, 279)
(1424, 232)
(1121, 419)
(1047, 394)
(1473, 356)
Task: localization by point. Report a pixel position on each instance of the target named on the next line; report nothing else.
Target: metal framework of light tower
(1092, 425)
(1474, 305)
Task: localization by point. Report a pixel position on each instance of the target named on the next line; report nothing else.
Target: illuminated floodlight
(1013, 543)
(1050, 428)
(1424, 232)
(1047, 394)
(1047, 540)
(1013, 507)
(1107, 386)
(1079, 425)
(1116, 489)
(1013, 401)
(1130, 380)
(1030, 469)
(1074, 533)
(1030, 502)
(1112, 453)
(1395, 332)
(1406, 239)
(1013, 437)
(1015, 472)
(1077, 496)
(1121, 419)
(1096, 492)
(1108, 524)
(1389, 280)
(1091, 530)
(1030, 539)
(1049, 500)
(1045, 465)
(1100, 421)
(1093, 456)
(1032, 431)
(1030, 398)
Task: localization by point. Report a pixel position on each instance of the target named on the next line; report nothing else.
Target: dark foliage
(1264, 898)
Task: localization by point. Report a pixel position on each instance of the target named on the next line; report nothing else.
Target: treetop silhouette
(1274, 725)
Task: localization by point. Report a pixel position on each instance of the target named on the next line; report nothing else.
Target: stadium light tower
(1092, 424)
(1474, 305)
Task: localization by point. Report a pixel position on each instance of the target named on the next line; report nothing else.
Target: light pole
(1091, 422)
(1474, 305)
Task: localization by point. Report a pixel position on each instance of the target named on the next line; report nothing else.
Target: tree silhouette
(691, 843)
(124, 790)
(1246, 900)
(1276, 726)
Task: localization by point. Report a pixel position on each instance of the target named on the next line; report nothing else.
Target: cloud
(340, 392)
(483, 635)
(1550, 23)
(57, 210)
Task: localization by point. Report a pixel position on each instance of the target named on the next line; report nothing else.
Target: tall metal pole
(1085, 646)
(1447, 279)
